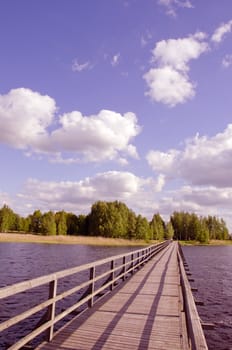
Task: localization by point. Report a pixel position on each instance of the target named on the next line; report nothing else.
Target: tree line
(115, 219)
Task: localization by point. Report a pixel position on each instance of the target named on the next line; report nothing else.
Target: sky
(125, 100)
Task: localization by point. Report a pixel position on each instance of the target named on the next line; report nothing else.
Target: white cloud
(143, 195)
(105, 136)
(26, 118)
(79, 67)
(168, 86)
(161, 161)
(227, 61)
(159, 183)
(169, 82)
(115, 60)
(208, 196)
(80, 195)
(221, 31)
(173, 5)
(204, 161)
(202, 200)
(178, 52)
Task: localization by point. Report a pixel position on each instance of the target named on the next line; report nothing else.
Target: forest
(116, 220)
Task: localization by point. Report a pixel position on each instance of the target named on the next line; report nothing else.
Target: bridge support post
(124, 268)
(51, 308)
(112, 275)
(132, 263)
(91, 287)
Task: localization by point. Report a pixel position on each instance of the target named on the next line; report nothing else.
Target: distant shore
(100, 241)
(213, 242)
(89, 240)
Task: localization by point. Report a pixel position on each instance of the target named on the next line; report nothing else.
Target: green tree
(169, 231)
(131, 225)
(36, 222)
(176, 220)
(157, 226)
(203, 232)
(61, 223)
(143, 230)
(72, 224)
(48, 224)
(25, 224)
(82, 225)
(7, 219)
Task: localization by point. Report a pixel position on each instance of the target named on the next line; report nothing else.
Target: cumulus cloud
(168, 86)
(202, 200)
(27, 121)
(24, 117)
(178, 52)
(209, 196)
(169, 82)
(162, 161)
(80, 195)
(203, 161)
(227, 61)
(97, 137)
(221, 32)
(79, 67)
(172, 5)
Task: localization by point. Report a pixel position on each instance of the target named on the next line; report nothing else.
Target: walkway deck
(144, 313)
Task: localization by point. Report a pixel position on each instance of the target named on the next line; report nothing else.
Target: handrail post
(91, 287)
(132, 263)
(112, 275)
(144, 256)
(51, 308)
(124, 268)
(138, 259)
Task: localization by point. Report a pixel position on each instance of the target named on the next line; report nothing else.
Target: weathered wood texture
(145, 313)
(153, 309)
(121, 267)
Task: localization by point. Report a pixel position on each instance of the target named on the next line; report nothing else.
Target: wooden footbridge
(139, 300)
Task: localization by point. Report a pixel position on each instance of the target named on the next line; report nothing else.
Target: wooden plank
(147, 310)
(142, 254)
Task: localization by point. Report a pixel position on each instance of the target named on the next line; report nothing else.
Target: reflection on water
(212, 271)
(23, 261)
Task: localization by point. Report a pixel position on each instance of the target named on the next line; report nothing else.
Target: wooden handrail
(195, 332)
(127, 264)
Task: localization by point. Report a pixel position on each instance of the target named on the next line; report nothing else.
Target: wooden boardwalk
(146, 312)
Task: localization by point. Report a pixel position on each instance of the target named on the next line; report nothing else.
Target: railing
(195, 332)
(121, 266)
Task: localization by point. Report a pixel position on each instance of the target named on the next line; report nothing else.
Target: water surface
(211, 267)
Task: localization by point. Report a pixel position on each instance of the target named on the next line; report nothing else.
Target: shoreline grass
(80, 240)
(213, 242)
(93, 240)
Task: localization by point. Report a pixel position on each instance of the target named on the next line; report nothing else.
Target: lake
(211, 268)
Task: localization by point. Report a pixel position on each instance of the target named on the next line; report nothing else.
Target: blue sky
(124, 100)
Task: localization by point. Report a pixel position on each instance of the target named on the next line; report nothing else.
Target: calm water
(211, 268)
